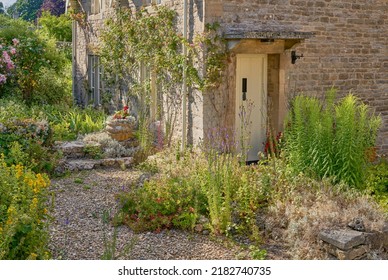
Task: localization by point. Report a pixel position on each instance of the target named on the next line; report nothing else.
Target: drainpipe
(184, 80)
(74, 61)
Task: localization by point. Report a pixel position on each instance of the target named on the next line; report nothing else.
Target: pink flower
(13, 51)
(3, 79)
(15, 41)
(6, 57)
(10, 65)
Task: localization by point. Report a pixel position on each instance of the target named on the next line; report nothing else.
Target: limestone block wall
(87, 38)
(349, 49)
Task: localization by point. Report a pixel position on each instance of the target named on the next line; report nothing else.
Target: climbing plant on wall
(140, 48)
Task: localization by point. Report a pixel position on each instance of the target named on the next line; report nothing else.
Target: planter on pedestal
(120, 129)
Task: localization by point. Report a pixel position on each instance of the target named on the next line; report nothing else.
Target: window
(95, 7)
(95, 79)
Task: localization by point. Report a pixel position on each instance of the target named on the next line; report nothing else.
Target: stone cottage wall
(87, 39)
(349, 49)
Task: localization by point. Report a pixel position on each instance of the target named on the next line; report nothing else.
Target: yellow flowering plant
(23, 213)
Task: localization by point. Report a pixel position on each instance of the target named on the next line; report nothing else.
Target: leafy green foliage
(377, 182)
(193, 186)
(163, 204)
(218, 183)
(26, 141)
(58, 27)
(35, 56)
(329, 139)
(27, 10)
(23, 216)
(27, 133)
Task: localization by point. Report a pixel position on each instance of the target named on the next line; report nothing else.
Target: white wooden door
(251, 107)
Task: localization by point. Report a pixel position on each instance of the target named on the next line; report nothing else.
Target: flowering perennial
(23, 213)
(6, 62)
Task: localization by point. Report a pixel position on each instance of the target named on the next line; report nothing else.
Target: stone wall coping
(242, 33)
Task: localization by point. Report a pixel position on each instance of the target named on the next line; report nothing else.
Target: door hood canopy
(235, 35)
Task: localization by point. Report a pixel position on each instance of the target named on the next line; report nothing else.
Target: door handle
(244, 88)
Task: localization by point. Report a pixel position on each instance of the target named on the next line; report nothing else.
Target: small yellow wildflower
(32, 256)
(34, 203)
(19, 170)
(41, 180)
(30, 183)
(10, 210)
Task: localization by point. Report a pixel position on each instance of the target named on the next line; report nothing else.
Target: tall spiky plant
(325, 139)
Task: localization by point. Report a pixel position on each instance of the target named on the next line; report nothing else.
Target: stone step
(89, 164)
(76, 149)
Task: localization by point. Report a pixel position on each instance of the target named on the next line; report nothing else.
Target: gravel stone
(81, 228)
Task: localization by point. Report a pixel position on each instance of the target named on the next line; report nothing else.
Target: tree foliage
(2, 10)
(58, 27)
(26, 9)
(54, 7)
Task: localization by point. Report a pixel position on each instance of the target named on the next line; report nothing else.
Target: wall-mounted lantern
(294, 56)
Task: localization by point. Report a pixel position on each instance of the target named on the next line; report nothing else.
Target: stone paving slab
(343, 239)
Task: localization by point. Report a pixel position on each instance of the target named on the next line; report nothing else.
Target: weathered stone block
(78, 165)
(351, 254)
(72, 149)
(343, 239)
(377, 240)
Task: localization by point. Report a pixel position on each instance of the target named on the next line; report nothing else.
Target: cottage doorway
(251, 103)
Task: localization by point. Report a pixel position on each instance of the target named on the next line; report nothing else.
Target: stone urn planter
(121, 129)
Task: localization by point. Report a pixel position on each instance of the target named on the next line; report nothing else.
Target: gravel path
(82, 206)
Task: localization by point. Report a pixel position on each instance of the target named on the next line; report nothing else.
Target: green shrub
(53, 87)
(377, 182)
(23, 213)
(215, 186)
(328, 139)
(66, 122)
(163, 204)
(35, 54)
(58, 27)
(27, 142)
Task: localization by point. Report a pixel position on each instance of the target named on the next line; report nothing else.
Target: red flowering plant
(122, 114)
(272, 145)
